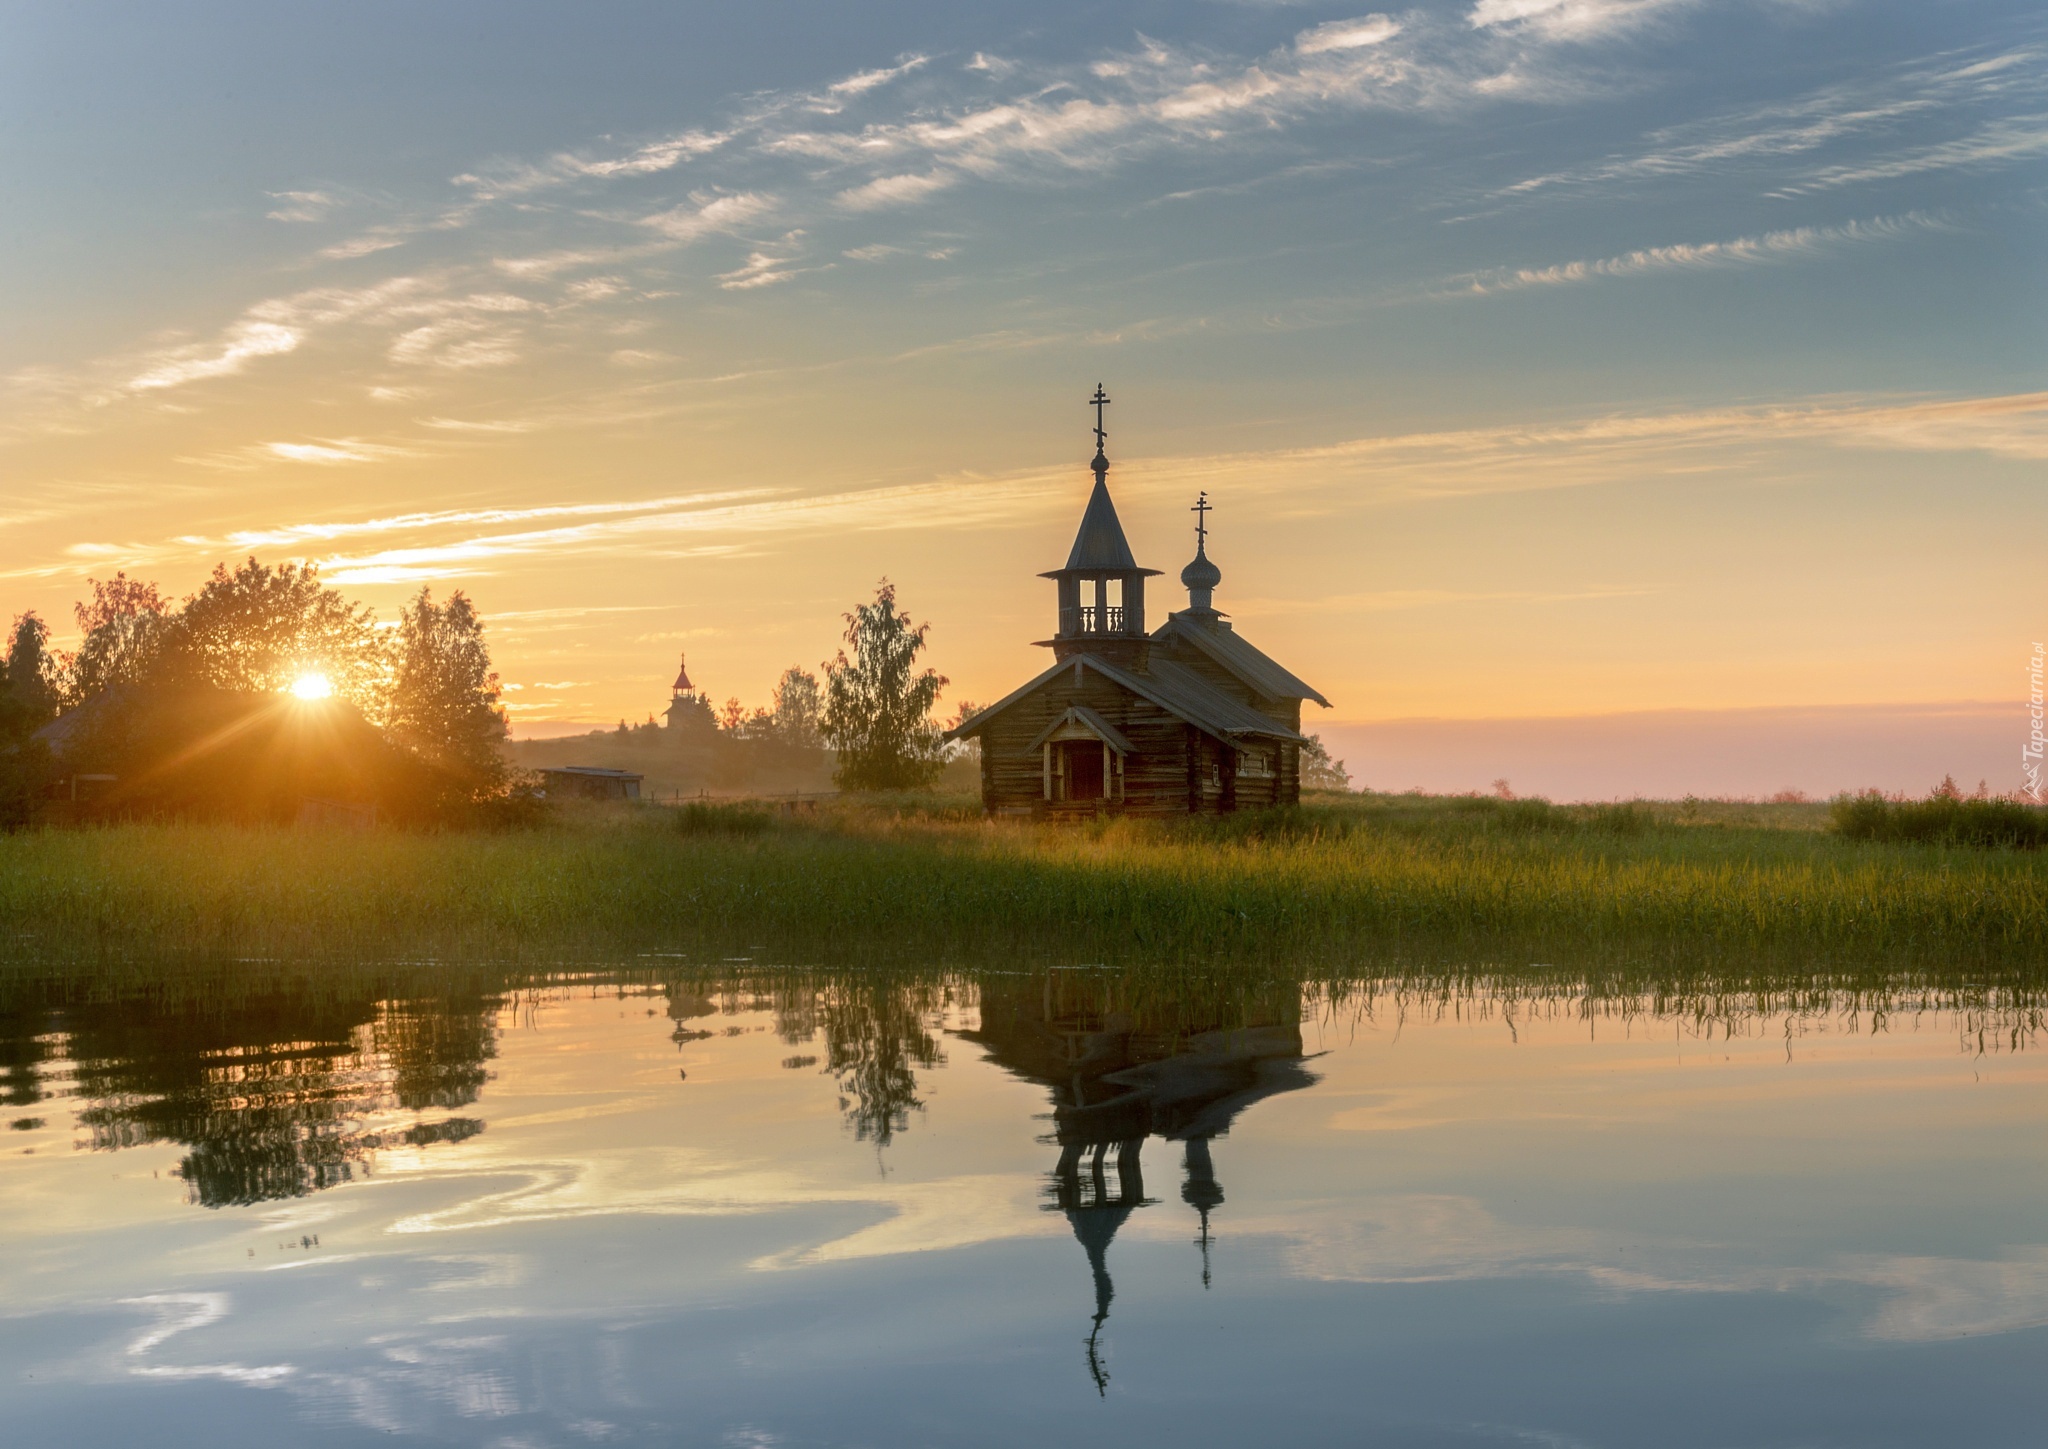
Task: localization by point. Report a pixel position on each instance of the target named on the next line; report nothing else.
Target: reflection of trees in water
(436, 1050)
(878, 1034)
(271, 1097)
(25, 1048)
(276, 1096)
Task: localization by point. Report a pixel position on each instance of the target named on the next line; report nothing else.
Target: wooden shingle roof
(1180, 691)
(1100, 545)
(1175, 688)
(1108, 733)
(1230, 649)
(1100, 541)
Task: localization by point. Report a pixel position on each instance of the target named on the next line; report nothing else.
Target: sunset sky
(1541, 357)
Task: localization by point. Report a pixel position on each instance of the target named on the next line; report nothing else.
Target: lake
(698, 1205)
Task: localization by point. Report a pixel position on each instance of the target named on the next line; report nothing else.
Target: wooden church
(1186, 719)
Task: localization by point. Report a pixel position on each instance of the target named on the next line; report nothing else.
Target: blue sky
(1543, 357)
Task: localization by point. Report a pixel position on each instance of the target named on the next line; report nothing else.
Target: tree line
(872, 710)
(188, 707)
(266, 686)
(191, 707)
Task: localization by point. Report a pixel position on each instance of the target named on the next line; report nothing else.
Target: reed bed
(1339, 889)
(1941, 819)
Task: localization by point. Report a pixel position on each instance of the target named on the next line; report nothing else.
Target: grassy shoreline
(1342, 886)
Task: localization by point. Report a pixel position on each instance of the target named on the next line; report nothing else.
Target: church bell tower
(1101, 589)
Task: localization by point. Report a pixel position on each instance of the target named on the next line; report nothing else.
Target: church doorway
(1081, 769)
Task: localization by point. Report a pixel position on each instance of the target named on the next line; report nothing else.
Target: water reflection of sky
(963, 1213)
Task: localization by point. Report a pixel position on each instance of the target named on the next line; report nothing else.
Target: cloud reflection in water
(856, 1176)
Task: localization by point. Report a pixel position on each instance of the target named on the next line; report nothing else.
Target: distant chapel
(1189, 719)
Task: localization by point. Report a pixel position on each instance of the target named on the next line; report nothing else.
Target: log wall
(1174, 768)
(1154, 777)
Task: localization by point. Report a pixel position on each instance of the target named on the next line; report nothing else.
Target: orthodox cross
(1201, 512)
(1101, 401)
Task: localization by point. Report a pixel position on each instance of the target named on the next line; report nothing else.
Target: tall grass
(1941, 819)
(1349, 888)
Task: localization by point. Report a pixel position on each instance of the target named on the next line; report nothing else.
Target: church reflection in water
(278, 1096)
(1119, 1074)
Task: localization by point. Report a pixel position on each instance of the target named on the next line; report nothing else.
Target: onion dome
(1200, 578)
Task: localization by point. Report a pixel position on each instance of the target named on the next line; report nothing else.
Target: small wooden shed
(589, 782)
(1188, 718)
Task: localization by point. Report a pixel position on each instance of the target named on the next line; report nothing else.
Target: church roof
(1179, 690)
(1173, 687)
(1108, 733)
(1230, 649)
(1100, 544)
(1200, 1090)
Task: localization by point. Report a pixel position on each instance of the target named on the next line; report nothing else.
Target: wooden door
(1083, 761)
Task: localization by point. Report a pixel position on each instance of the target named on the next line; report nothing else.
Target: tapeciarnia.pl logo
(2030, 755)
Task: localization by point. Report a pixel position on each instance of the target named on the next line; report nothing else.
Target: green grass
(1941, 819)
(1343, 887)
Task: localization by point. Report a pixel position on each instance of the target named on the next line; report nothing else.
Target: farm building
(204, 753)
(1189, 718)
(588, 782)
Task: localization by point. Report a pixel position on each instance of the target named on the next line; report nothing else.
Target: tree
(794, 717)
(28, 699)
(965, 749)
(1319, 771)
(32, 673)
(260, 628)
(877, 712)
(733, 718)
(444, 695)
(124, 630)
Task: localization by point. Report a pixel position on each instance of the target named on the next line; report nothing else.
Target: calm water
(1017, 1209)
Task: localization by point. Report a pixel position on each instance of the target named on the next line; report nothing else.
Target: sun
(312, 686)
